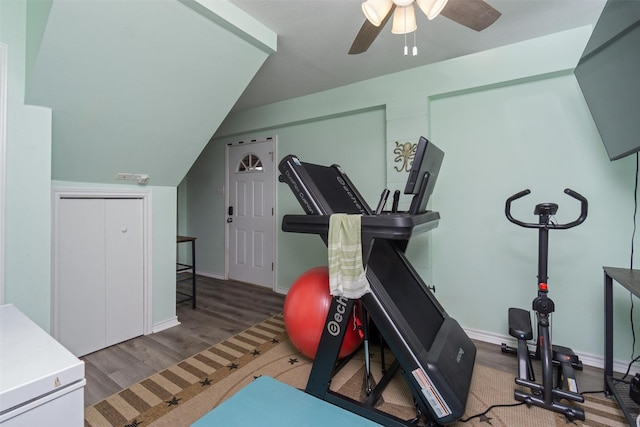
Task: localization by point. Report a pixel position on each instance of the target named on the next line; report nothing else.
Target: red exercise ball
(305, 312)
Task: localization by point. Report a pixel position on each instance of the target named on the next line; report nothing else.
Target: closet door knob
(124, 229)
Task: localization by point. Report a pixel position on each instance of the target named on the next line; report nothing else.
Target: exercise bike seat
(520, 324)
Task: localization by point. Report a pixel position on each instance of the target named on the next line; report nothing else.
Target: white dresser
(41, 382)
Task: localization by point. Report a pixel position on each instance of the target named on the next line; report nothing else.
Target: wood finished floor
(224, 309)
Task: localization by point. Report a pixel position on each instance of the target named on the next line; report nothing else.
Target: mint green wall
(407, 120)
(37, 16)
(138, 86)
(164, 253)
(356, 142)
(351, 140)
(498, 115)
(201, 206)
(536, 135)
(28, 201)
(182, 250)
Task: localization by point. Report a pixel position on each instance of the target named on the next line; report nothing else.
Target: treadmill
(434, 354)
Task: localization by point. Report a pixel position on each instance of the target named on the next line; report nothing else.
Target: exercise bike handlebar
(583, 211)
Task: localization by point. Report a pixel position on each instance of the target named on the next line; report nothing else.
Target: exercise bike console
(546, 395)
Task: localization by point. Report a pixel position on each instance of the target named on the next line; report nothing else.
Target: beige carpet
(185, 392)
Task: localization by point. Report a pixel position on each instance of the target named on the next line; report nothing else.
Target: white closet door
(124, 275)
(100, 273)
(81, 275)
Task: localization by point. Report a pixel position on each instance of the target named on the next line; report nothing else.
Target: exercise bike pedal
(520, 328)
(520, 324)
(562, 355)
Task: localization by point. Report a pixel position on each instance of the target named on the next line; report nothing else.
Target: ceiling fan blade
(474, 14)
(368, 33)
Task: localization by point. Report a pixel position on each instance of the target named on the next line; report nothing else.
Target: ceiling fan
(474, 14)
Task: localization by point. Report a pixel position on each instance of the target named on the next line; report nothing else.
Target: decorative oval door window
(250, 163)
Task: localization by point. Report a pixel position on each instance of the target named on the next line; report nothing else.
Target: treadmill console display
(423, 174)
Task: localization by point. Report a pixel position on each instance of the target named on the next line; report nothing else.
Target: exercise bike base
(571, 412)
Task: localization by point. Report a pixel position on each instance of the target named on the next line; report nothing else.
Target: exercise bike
(546, 395)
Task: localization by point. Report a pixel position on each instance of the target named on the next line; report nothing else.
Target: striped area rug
(154, 397)
(182, 394)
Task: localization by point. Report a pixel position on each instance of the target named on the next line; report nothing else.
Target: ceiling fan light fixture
(431, 8)
(404, 20)
(402, 3)
(376, 10)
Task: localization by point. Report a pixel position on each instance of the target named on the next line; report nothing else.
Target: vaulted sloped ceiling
(140, 86)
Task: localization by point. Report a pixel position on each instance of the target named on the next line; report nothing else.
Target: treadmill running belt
(434, 352)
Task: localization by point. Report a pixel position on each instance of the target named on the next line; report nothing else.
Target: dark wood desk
(630, 280)
(184, 267)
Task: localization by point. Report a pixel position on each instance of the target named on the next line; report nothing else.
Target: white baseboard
(281, 291)
(212, 275)
(222, 277)
(165, 324)
(586, 358)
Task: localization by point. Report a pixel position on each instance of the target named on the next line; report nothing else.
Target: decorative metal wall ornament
(405, 152)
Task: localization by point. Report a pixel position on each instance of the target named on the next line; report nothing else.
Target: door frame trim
(3, 150)
(94, 193)
(273, 138)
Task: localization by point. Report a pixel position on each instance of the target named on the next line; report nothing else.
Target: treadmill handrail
(386, 226)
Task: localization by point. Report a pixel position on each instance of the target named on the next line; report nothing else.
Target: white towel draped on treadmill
(346, 274)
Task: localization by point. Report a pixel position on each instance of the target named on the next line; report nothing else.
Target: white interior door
(124, 291)
(251, 214)
(99, 272)
(81, 272)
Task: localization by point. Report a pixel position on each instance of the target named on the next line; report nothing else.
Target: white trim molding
(210, 274)
(3, 151)
(586, 358)
(165, 324)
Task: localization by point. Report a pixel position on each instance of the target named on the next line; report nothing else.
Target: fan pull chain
(415, 46)
(406, 49)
